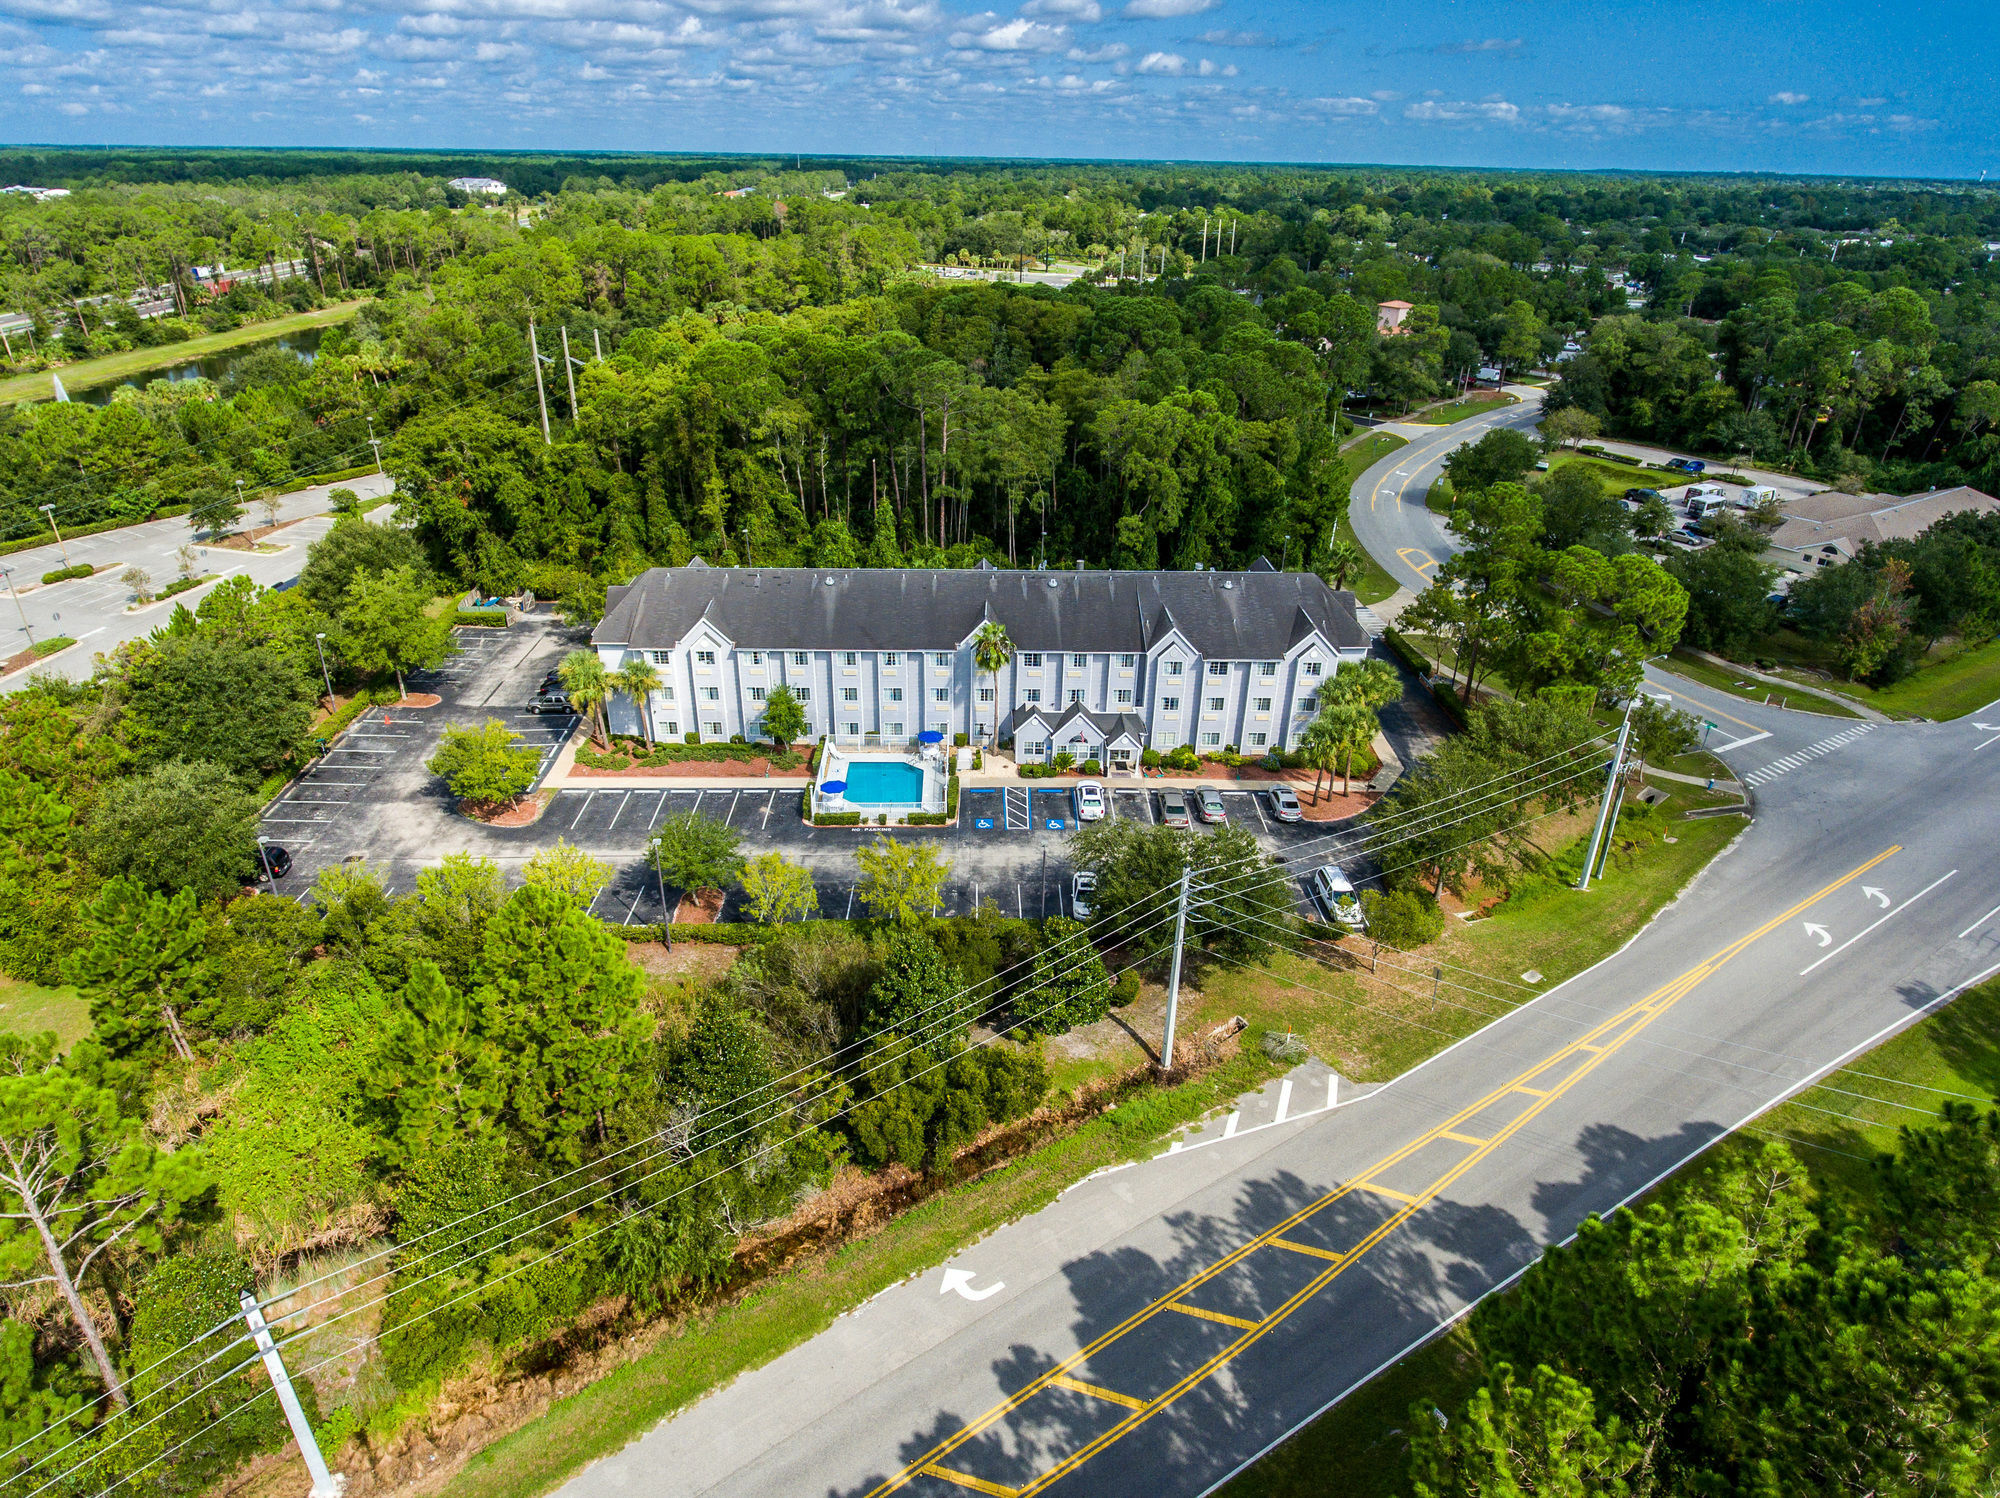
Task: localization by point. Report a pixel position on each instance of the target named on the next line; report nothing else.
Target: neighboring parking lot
(371, 798)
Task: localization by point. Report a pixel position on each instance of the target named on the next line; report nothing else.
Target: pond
(302, 345)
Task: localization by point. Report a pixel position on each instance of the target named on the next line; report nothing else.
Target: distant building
(1389, 317)
(39, 194)
(490, 187)
(1826, 529)
(738, 192)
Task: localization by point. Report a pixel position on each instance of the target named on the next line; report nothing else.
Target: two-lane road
(1158, 1327)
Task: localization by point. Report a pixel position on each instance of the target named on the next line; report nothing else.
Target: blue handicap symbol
(983, 822)
(1055, 824)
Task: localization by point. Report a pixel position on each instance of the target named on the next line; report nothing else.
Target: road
(1158, 1327)
(1386, 504)
(97, 611)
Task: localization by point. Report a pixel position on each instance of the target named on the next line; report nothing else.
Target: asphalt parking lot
(371, 799)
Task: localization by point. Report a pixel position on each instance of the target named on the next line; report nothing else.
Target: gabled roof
(1847, 520)
(1224, 615)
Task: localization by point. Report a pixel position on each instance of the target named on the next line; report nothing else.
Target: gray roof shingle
(1225, 615)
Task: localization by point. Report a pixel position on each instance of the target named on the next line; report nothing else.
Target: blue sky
(1779, 85)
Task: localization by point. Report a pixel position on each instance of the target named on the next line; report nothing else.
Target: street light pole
(50, 511)
(319, 644)
(1174, 978)
(264, 857)
(8, 573)
(376, 443)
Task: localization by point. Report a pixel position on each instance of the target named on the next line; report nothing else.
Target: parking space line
(770, 800)
(623, 803)
(1256, 805)
(734, 797)
(581, 809)
(658, 807)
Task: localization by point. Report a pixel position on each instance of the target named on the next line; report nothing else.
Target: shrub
(960, 740)
(737, 738)
(691, 738)
(1091, 767)
(1125, 990)
(1404, 919)
(1184, 758)
(1149, 759)
(64, 574)
(925, 819)
(837, 819)
(951, 798)
(1064, 759)
(484, 764)
(1272, 761)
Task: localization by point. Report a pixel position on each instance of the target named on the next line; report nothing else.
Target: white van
(1756, 495)
(1705, 499)
(1333, 892)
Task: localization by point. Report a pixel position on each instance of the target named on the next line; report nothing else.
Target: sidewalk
(1862, 709)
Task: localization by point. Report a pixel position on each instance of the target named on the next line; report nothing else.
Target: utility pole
(569, 371)
(597, 343)
(1204, 239)
(325, 1484)
(376, 443)
(1604, 806)
(50, 511)
(541, 400)
(8, 573)
(1174, 978)
(319, 644)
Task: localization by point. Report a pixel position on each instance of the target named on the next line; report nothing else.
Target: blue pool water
(879, 782)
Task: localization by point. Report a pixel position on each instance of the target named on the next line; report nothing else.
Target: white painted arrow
(1825, 936)
(1876, 895)
(961, 1281)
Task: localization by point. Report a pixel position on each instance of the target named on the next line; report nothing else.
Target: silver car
(1285, 804)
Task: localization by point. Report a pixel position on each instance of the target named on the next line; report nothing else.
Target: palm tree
(1352, 705)
(586, 684)
(638, 680)
(991, 649)
(1343, 560)
(1319, 747)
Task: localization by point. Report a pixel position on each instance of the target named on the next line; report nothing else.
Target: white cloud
(1788, 97)
(1220, 37)
(1171, 64)
(1459, 112)
(1490, 44)
(1167, 10)
(1109, 52)
(1346, 107)
(1082, 11)
(1017, 35)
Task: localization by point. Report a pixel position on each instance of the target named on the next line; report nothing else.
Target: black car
(1640, 496)
(550, 702)
(273, 862)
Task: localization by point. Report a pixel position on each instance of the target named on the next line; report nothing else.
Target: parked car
(273, 862)
(1081, 887)
(1089, 801)
(1333, 892)
(1208, 805)
(552, 682)
(1640, 496)
(1684, 465)
(1285, 804)
(550, 702)
(1173, 808)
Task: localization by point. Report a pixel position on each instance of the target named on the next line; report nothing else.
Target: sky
(1825, 86)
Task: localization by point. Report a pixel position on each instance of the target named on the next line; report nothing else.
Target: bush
(1149, 759)
(837, 819)
(1091, 767)
(925, 819)
(737, 738)
(1405, 919)
(1271, 761)
(1184, 758)
(690, 738)
(961, 740)
(1125, 990)
(486, 618)
(951, 798)
(64, 574)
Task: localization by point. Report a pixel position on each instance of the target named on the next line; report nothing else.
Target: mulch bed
(419, 699)
(699, 912)
(697, 769)
(524, 811)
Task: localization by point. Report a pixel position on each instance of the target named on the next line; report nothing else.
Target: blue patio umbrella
(930, 736)
(832, 787)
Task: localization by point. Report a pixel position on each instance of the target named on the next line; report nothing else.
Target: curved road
(1386, 505)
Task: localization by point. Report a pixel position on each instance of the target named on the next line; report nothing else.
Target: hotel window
(1312, 668)
(1215, 704)
(1124, 699)
(667, 692)
(895, 694)
(1128, 660)
(661, 657)
(802, 694)
(1031, 748)
(704, 657)
(941, 658)
(1033, 694)
(1218, 668)
(673, 728)
(799, 658)
(1267, 668)
(889, 657)
(850, 694)
(940, 694)
(849, 658)
(1173, 668)
(1075, 696)
(711, 694)
(986, 694)
(895, 730)
(715, 728)
(854, 730)
(1210, 740)
(1263, 704)
(1306, 704)
(1079, 660)
(1259, 740)
(757, 694)
(1031, 659)
(1170, 704)
(756, 657)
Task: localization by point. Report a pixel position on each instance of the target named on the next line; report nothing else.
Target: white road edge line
(1866, 929)
(1978, 923)
(1739, 743)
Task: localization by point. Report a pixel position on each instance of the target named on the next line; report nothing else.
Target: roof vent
(1055, 582)
(831, 581)
(1229, 582)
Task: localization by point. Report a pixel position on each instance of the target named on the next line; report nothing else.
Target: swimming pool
(883, 782)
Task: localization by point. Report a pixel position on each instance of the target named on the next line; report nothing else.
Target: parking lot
(371, 799)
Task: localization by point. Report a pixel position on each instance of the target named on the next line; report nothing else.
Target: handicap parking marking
(1054, 824)
(983, 823)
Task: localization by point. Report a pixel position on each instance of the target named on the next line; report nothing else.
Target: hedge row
(71, 533)
(1425, 667)
(720, 933)
(64, 574)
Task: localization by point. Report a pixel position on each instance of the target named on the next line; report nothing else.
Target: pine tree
(142, 966)
(437, 1076)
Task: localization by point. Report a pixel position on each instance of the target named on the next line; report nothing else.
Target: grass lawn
(1472, 405)
(1953, 681)
(1359, 457)
(1439, 498)
(1620, 476)
(1375, 583)
(1750, 689)
(112, 368)
(29, 1009)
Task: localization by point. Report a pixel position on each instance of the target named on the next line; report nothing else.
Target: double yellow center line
(1587, 1053)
